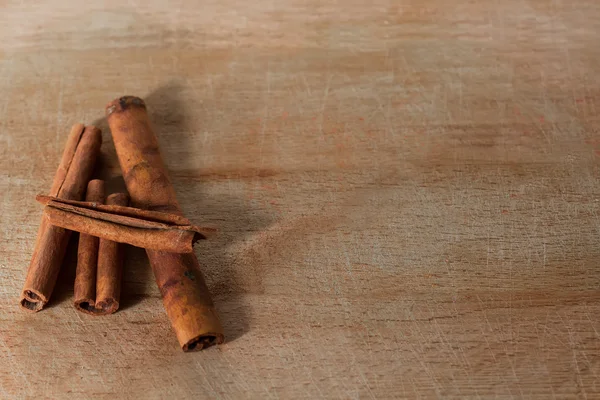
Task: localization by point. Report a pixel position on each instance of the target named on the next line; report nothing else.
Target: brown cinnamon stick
(87, 257)
(185, 295)
(72, 175)
(142, 228)
(110, 267)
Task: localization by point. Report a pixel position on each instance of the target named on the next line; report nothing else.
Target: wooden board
(407, 195)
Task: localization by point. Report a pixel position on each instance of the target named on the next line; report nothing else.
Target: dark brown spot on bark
(168, 284)
(190, 275)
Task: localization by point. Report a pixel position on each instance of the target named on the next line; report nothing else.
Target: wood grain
(407, 195)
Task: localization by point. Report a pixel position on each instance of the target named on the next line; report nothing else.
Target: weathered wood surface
(407, 194)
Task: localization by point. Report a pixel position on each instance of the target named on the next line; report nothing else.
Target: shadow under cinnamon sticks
(233, 216)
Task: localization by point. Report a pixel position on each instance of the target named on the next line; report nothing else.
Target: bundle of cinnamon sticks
(154, 221)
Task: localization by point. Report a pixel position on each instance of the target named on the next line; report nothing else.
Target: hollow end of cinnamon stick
(48, 254)
(32, 300)
(106, 306)
(123, 103)
(86, 306)
(203, 341)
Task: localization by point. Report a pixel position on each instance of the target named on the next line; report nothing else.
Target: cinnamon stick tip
(93, 134)
(32, 300)
(78, 127)
(118, 199)
(32, 306)
(203, 341)
(85, 306)
(96, 183)
(106, 306)
(93, 128)
(203, 233)
(123, 103)
(95, 191)
(42, 198)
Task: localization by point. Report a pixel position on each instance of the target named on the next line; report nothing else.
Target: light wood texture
(407, 194)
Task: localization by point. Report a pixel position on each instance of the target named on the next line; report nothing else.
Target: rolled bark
(110, 267)
(185, 295)
(70, 180)
(142, 228)
(87, 257)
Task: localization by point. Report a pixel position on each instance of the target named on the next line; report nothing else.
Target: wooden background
(407, 194)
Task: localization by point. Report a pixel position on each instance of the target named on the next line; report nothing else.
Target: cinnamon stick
(110, 267)
(142, 228)
(185, 295)
(87, 257)
(70, 180)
